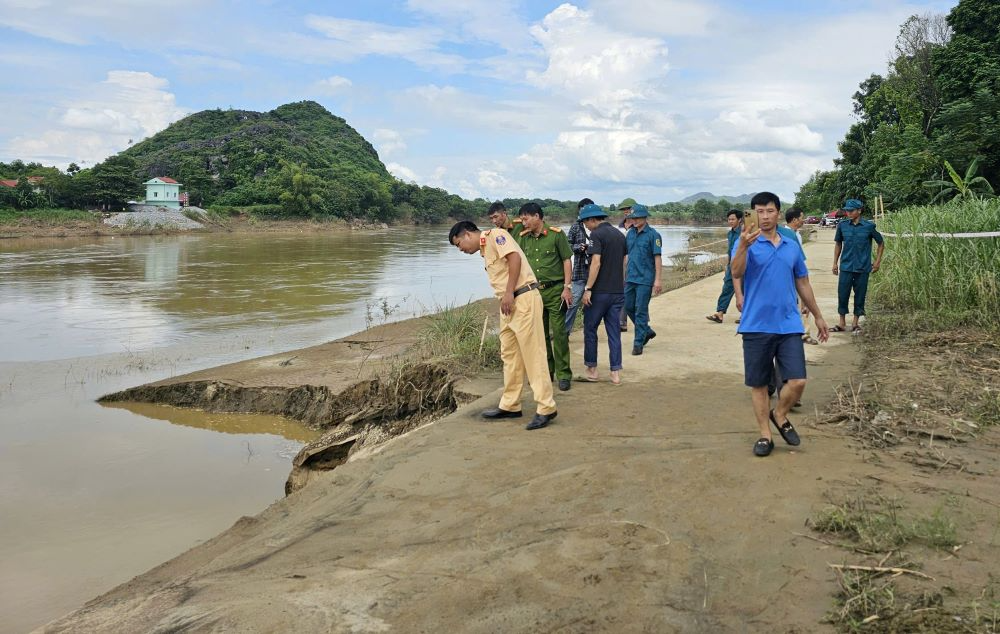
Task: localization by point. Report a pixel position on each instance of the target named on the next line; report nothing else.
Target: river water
(90, 495)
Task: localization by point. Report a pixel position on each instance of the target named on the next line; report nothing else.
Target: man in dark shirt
(604, 295)
(578, 239)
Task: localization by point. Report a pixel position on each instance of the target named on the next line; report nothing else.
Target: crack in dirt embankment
(364, 414)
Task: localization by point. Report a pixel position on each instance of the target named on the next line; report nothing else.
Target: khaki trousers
(522, 348)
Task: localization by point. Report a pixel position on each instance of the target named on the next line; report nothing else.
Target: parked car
(834, 217)
(812, 220)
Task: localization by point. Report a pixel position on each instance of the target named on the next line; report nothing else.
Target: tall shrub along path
(640, 508)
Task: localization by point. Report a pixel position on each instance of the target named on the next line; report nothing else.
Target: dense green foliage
(942, 281)
(939, 101)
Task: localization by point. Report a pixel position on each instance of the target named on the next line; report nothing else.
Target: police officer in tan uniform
(522, 338)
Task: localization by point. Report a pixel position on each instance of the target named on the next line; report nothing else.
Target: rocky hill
(240, 157)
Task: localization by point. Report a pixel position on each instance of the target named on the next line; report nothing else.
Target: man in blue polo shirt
(642, 274)
(773, 271)
(852, 261)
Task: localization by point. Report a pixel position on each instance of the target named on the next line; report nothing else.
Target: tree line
(930, 127)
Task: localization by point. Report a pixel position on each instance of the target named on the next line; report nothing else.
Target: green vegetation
(456, 336)
(937, 107)
(44, 216)
(944, 281)
(961, 188)
(875, 525)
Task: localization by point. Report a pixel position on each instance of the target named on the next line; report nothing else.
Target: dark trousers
(848, 281)
(637, 306)
(728, 290)
(607, 307)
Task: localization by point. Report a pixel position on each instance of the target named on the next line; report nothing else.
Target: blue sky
(654, 99)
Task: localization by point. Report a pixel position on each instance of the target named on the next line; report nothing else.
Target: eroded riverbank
(642, 507)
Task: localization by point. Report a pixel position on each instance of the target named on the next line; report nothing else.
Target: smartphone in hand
(750, 221)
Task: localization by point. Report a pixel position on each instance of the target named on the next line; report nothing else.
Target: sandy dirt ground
(640, 509)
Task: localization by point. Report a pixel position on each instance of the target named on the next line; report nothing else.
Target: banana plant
(961, 188)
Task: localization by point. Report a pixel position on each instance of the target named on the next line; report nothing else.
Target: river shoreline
(244, 224)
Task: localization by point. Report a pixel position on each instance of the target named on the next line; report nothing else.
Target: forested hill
(237, 157)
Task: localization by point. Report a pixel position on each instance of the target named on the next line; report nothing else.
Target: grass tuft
(877, 526)
(454, 333)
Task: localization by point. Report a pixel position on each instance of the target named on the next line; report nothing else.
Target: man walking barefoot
(772, 268)
(522, 341)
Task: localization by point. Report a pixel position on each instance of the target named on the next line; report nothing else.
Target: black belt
(544, 285)
(524, 289)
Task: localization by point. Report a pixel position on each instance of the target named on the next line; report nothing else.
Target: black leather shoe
(496, 412)
(649, 337)
(563, 385)
(763, 447)
(787, 431)
(540, 420)
(636, 351)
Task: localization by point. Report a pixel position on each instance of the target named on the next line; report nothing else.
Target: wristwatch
(567, 286)
(586, 290)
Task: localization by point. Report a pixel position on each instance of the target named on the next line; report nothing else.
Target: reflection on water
(223, 423)
(91, 496)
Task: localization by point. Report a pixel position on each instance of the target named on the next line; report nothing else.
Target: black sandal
(763, 447)
(787, 431)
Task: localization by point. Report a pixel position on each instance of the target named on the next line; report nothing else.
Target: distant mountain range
(709, 196)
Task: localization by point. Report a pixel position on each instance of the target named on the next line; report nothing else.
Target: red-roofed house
(163, 191)
(34, 181)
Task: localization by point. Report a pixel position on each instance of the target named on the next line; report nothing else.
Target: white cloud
(128, 105)
(585, 58)
(388, 142)
(402, 172)
(333, 85)
(346, 40)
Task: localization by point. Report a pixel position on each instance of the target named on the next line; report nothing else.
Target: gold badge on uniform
(658, 243)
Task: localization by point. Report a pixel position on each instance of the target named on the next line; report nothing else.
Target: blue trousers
(606, 307)
(578, 288)
(848, 281)
(728, 290)
(637, 306)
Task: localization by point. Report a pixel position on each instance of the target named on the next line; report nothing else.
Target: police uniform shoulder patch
(658, 243)
(524, 233)
(501, 240)
(556, 229)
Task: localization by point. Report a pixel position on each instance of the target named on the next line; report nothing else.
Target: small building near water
(163, 191)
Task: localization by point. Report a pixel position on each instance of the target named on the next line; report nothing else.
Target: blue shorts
(762, 349)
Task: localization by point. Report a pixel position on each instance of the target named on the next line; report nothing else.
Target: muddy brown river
(90, 495)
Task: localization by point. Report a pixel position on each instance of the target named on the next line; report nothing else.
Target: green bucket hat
(627, 203)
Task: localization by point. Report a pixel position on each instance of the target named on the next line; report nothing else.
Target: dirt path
(640, 509)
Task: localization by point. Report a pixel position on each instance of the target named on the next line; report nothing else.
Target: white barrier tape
(986, 234)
